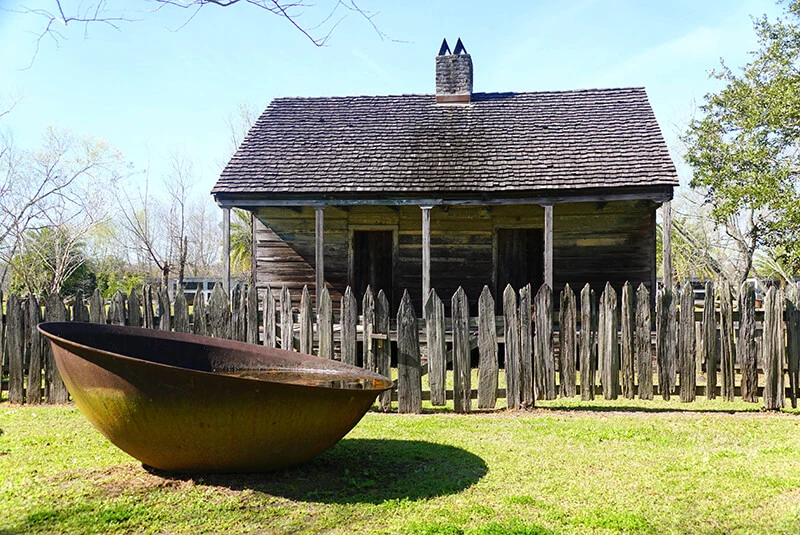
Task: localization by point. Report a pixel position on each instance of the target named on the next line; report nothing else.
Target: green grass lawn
(566, 467)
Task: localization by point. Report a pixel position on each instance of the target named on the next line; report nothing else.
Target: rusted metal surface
(182, 402)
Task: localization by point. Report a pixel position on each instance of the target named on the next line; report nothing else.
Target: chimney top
(453, 74)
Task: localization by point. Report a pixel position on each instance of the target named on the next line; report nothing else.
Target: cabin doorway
(373, 262)
(520, 259)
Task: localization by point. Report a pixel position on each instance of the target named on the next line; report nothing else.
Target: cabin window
(520, 258)
(372, 262)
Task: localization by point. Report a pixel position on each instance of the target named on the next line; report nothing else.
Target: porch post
(226, 250)
(548, 245)
(319, 255)
(426, 254)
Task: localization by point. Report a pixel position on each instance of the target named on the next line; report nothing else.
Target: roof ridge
(544, 92)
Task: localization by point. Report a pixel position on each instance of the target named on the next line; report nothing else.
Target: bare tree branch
(69, 12)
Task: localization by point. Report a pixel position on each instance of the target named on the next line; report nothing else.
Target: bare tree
(178, 185)
(156, 229)
(239, 124)
(316, 21)
(59, 187)
(204, 237)
(703, 248)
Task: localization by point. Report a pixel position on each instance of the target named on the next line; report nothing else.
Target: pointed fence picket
(545, 354)
(488, 368)
(567, 329)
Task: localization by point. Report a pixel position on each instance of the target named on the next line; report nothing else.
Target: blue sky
(154, 87)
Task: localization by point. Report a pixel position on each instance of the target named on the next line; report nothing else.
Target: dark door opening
(372, 262)
(520, 259)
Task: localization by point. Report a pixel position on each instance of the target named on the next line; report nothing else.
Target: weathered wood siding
(593, 242)
(604, 242)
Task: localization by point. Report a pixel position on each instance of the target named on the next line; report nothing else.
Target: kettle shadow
(361, 471)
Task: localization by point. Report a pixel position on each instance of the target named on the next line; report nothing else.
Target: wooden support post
(644, 355)
(746, 351)
(348, 322)
(548, 245)
(324, 325)
(607, 346)
(437, 349)
(709, 341)
(487, 348)
(666, 246)
(116, 311)
(287, 322)
(513, 369)
(627, 345)
(544, 367)
(528, 386)
(148, 316)
(462, 384)
(319, 255)
(666, 352)
(567, 325)
(252, 314)
(409, 380)
(164, 311)
(727, 350)
(199, 314)
(368, 361)
(793, 340)
(426, 254)
(97, 309)
(774, 350)
(15, 349)
(383, 351)
(306, 324)
(55, 389)
(219, 314)
(588, 366)
(134, 313)
(181, 312)
(226, 250)
(686, 346)
(81, 313)
(33, 341)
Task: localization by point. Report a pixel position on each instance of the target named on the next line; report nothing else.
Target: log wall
(593, 242)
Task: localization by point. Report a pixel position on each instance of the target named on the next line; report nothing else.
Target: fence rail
(612, 346)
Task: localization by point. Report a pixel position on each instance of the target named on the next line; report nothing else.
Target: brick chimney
(453, 75)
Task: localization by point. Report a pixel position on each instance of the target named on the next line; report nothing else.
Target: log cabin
(456, 188)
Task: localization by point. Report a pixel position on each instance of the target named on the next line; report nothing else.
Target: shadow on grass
(631, 408)
(362, 471)
(683, 408)
(652, 410)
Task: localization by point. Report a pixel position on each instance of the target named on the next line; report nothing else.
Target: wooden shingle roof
(500, 143)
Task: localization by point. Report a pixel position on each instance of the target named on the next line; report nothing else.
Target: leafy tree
(241, 242)
(773, 263)
(745, 149)
(50, 260)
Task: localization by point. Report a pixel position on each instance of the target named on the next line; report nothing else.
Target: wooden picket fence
(612, 346)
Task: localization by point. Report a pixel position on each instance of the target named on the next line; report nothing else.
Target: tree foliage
(745, 149)
(50, 260)
(241, 242)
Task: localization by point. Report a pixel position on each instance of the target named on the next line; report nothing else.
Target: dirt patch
(131, 477)
(119, 479)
